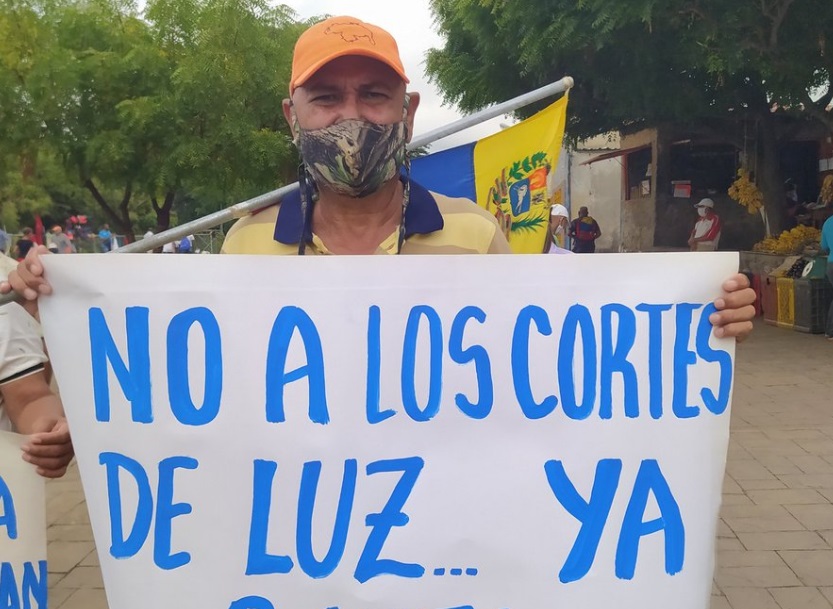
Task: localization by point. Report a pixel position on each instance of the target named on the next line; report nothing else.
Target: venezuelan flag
(511, 174)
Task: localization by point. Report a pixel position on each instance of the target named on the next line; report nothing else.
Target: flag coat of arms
(511, 174)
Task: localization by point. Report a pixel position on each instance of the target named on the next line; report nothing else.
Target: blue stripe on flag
(448, 172)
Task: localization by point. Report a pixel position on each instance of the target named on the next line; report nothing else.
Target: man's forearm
(38, 415)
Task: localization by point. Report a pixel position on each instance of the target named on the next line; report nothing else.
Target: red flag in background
(38, 238)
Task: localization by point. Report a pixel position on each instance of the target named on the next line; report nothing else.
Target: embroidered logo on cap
(350, 32)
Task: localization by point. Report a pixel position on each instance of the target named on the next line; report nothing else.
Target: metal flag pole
(263, 201)
(559, 86)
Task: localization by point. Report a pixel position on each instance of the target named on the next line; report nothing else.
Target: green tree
(230, 70)
(702, 65)
(145, 109)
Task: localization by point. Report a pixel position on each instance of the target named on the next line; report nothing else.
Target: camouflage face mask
(354, 157)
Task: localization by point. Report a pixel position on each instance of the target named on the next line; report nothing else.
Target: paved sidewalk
(775, 541)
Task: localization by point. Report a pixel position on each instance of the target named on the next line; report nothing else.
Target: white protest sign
(23, 575)
(486, 432)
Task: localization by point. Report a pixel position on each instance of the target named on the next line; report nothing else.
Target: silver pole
(263, 201)
(568, 240)
(228, 214)
(506, 107)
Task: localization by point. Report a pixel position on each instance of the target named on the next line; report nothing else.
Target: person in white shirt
(27, 403)
(706, 233)
(557, 231)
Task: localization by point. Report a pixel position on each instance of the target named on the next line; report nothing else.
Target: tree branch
(785, 134)
(125, 201)
(99, 198)
(816, 109)
(169, 200)
(718, 133)
(777, 21)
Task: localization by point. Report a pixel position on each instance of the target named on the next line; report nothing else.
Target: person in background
(148, 234)
(706, 232)
(60, 242)
(584, 231)
(557, 232)
(5, 241)
(27, 403)
(827, 246)
(24, 244)
(351, 117)
(186, 246)
(796, 210)
(105, 238)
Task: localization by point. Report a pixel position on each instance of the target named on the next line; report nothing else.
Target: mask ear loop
(306, 187)
(307, 201)
(406, 194)
(406, 198)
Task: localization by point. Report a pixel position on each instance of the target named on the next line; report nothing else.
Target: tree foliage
(706, 65)
(179, 103)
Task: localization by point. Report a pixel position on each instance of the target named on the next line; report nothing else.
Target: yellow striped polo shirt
(434, 224)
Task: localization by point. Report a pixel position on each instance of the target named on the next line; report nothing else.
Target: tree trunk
(124, 209)
(163, 212)
(666, 215)
(769, 178)
(120, 218)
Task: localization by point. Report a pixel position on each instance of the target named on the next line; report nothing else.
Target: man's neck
(348, 225)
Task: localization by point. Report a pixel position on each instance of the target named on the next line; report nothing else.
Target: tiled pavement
(775, 540)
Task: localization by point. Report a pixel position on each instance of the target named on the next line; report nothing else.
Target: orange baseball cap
(337, 37)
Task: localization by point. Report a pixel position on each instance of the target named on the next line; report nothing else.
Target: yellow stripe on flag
(514, 177)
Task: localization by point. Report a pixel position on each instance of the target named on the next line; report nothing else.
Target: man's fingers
(50, 463)
(733, 323)
(48, 450)
(738, 330)
(31, 266)
(738, 281)
(55, 443)
(28, 279)
(58, 435)
(33, 258)
(52, 472)
(733, 315)
(736, 300)
(25, 283)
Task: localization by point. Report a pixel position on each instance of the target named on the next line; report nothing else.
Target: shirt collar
(422, 216)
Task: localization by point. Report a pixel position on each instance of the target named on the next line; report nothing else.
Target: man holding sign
(351, 118)
(378, 432)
